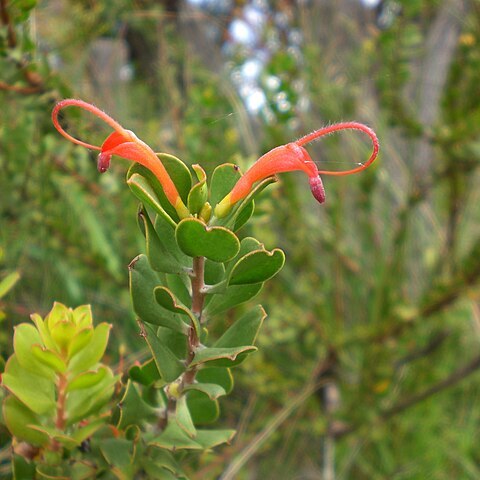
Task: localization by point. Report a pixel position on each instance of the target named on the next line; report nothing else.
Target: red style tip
(103, 162)
(316, 186)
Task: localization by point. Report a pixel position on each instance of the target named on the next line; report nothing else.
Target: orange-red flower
(126, 144)
(293, 156)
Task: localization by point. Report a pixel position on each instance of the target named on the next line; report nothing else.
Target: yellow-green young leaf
(183, 417)
(82, 316)
(49, 358)
(79, 341)
(43, 331)
(59, 313)
(93, 351)
(18, 418)
(36, 392)
(54, 434)
(83, 433)
(24, 337)
(89, 401)
(8, 283)
(62, 333)
(87, 379)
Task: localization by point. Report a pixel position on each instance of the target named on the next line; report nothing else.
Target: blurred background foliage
(368, 360)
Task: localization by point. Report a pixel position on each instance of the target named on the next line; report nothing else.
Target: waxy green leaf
(257, 267)
(224, 178)
(159, 255)
(147, 373)
(183, 417)
(168, 364)
(218, 376)
(212, 390)
(224, 357)
(232, 296)
(203, 409)
(199, 240)
(133, 409)
(143, 280)
(174, 438)
(142, 189)
(244, 331)
(198, 195)
(180, 175)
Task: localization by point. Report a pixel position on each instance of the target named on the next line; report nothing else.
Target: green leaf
(81, 434)
(80, 341)
(176, 342)
(43, 331)
(22, 468)
(244, 331)
(257, 267)
(54, 434)
(241, 210)
(134, 410)
(167, 300)
(199, 193)
(174, 438)
(212, 390)
(160, 460)
(87, 379)
(183, 417)
(224, 178)
(147, 373)
(24, 337)
(219, 376)
(214, 272)
(202, 409)
(8, 283)
(18, 418)
(36, 392)
(142, 189)
(243, 215)
(167, 363)
(118, 452)
(50, 359)
(221, 356)
(158, 254)
(233, 296)
(179, 173)
(143, 280)
(83, 403)
(93, 351)
(179, 285)
(199, 240)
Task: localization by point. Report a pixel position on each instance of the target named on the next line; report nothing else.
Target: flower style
(293, 156)
(125, 144)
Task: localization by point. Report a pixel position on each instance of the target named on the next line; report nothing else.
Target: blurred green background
(368, 360)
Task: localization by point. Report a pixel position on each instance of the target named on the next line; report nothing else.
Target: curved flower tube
(125, 144)
(290, 157)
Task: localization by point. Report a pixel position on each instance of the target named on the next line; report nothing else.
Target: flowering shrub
(59, 407)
